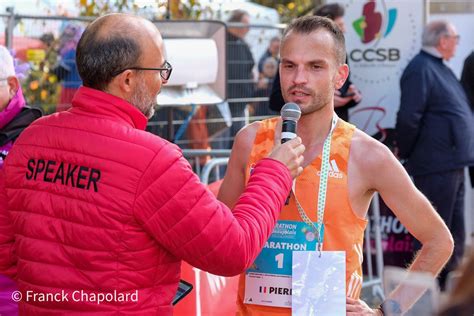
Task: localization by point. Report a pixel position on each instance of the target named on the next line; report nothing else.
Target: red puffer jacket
(103, 211)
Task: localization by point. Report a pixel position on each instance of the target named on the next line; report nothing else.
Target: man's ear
(126, 81)
(123, 84)
(13, 86)
(341, 76)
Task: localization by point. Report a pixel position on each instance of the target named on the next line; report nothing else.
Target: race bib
(268, 281)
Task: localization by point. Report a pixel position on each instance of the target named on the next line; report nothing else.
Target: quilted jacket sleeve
(189, 222)
(7, 255)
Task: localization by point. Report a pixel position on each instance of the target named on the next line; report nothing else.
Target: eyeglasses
(457, 37)
(165, 71)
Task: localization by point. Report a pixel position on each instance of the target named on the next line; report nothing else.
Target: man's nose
(300, 76)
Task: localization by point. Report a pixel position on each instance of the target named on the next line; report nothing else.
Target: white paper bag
(319, 283)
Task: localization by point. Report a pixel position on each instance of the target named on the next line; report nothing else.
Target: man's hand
(352, 94)
(291, 154)
(359, 308)
(357, 97)
(340, 101)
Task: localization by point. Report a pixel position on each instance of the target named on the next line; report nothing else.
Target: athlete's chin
(310, 108)
(306, 104)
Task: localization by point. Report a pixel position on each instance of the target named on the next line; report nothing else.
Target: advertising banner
(382, 36)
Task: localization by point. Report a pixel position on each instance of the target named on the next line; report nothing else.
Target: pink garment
(4, 150)
(8, 268)
(7, 285)
(116, 208)
(13, 108)
(8, 307)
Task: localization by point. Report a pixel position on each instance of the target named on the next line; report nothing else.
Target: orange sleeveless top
(343, 230)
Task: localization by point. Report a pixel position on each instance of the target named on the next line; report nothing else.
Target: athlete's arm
(413, 210)
(234, 180)
(384, 174)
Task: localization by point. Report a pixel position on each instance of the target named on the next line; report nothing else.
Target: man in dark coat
(467, 81)
(240, 63)
(434, 130)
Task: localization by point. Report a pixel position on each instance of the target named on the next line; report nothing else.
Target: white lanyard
(323, 182)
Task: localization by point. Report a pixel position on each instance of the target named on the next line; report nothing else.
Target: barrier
(370, 279)
(214, 164)
(194, 157)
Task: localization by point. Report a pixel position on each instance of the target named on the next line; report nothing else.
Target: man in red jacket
(103, 212)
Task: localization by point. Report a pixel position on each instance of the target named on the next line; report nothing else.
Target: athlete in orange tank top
(312, 68)
(344, 230)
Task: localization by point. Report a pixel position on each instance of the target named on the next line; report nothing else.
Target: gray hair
(433, 32)
(237, 16)
(7, 68)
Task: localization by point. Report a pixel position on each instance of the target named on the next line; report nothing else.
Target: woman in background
(67, 71)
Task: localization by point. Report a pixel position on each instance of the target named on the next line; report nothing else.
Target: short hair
(100, 57)
(433, 32)
(331, 11)
(7, 67)
(236, 16)
(310, 24)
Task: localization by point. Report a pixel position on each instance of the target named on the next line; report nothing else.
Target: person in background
(467, 78)
(345, 97)
(66, 71)
(434, 131)
(264, 87)
(240, 63)
(97, 205)
(14, 117)
(467, 81)
(355, 166)
(272, 51)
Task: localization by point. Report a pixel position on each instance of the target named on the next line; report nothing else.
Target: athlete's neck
(313, 128)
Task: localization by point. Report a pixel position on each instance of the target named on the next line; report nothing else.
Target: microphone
(290, 114)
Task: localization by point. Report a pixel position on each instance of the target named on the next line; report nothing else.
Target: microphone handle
(288, 130)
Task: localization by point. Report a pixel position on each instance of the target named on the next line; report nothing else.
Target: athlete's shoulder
(367, 152)
(246, 136)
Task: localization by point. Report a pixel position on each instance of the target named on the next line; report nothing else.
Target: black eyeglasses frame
(163, 75)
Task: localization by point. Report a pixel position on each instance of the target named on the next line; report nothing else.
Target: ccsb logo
(371, 27)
